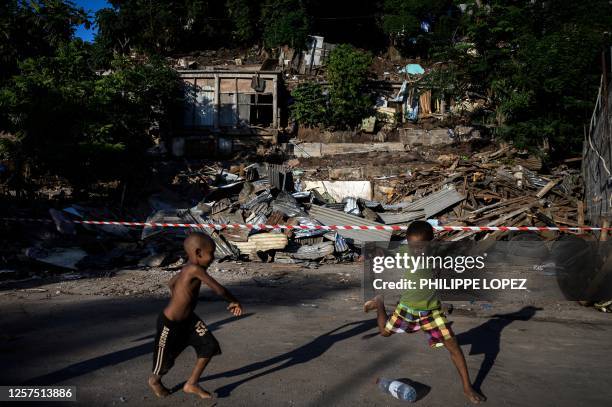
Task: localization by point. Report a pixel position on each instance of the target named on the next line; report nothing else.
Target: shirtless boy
(178, 326)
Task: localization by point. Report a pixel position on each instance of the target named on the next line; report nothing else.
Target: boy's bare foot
(158, 388)
(372, 304)
(474, 396)
(197, 390)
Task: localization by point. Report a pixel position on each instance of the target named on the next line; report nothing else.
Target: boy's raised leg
(459, 360)
(377, 303)
(192, 386)
(157, 386)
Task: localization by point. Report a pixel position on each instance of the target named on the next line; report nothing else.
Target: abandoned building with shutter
(224, 104)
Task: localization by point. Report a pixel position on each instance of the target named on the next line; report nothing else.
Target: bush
(285, 22)
(347, 73)
(69, 121)
(310, 105)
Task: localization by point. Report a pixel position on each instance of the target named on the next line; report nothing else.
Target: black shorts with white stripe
(174, 336)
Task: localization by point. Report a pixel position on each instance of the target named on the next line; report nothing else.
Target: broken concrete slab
(328, 149)
(414, 137)
(153, 260)
(60, 257)
(314, 252)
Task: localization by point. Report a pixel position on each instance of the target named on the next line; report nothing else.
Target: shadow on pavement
(486, 339)
(90, 365)
(303, 354)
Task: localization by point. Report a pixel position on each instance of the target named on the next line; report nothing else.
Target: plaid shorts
(433, 323)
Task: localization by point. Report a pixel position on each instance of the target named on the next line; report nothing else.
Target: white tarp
(339, 190)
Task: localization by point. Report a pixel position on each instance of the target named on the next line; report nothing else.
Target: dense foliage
(347, 71)
(60, 116)
(309, 107)
(538, 63)
(346, 101)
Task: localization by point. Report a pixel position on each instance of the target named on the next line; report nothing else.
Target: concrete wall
(432, 137)
(327, 149)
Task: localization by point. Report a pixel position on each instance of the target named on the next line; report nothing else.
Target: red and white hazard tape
(319, 227)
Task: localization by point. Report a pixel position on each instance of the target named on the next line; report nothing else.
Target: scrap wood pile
(498, 188)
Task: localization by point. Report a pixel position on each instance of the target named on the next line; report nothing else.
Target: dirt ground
(304, 341)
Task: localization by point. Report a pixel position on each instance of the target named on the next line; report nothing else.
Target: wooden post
(581, 213)
(275, 102)
(603, 236)
(217, 102)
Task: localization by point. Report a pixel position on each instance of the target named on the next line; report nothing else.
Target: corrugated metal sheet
(223, 248)
(435, 203)
(401, 217)
(264, 196)
(335, 206)
(332, 217)
(305, 221)
(280, 177)
(163, 216)
(287, 204)
(257, 219)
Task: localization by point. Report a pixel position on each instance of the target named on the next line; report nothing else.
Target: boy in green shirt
(421, 310)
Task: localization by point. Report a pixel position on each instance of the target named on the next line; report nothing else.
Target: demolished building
(223, 103)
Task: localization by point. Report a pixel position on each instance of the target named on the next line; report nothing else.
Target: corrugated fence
(597, 152)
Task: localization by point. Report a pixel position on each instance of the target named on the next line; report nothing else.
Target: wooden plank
(546, 189)
(581, 213)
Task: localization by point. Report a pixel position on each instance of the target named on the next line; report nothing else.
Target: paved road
(293, 348)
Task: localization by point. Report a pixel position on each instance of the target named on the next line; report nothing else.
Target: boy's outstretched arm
(234, 306)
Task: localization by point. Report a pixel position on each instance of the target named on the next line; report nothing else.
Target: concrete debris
(154, 260)
(67, 258)
(315, 252)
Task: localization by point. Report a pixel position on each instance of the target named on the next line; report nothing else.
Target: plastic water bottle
(397, 389)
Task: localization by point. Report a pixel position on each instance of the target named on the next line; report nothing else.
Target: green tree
(401, 21)
(33, 28)
(161, 27)
(539, 62)
(67, 120)
(347, 73)
(244, 15)
(310, 105)
(285, 22)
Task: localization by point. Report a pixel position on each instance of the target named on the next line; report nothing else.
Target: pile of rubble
(500, 187)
